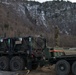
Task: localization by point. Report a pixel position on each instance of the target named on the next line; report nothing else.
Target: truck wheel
(16, 63)
(74, 68)
(62, 67)
(4, 63)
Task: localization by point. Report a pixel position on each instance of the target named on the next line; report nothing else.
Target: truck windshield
(38, 43)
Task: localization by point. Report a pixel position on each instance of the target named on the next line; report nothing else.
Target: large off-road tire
(62, 67)
(17, 63)
(74, 68)
(4, 63)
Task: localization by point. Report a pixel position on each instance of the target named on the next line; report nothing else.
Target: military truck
(15, 52)
(18, 53)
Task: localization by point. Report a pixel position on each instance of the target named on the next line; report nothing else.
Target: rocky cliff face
(34, 18)
(55, 13)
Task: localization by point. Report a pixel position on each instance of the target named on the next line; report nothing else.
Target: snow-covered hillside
(48, 14)
(29, 18)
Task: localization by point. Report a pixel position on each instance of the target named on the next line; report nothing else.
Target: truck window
(3, 45)
(21, 44)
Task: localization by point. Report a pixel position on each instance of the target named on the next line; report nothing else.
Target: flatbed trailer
(64, 64)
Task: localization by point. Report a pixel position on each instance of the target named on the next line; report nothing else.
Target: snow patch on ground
(43, 18)
(17, 6)
(21, 9)
(66, 32)
(40, 17)
(33, 10)
(5, 2)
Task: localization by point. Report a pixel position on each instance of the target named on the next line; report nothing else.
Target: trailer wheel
(74, 68)
(16, 63)
(62, 67)
(4, 63)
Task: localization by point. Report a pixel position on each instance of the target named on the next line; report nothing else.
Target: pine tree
(56, 36)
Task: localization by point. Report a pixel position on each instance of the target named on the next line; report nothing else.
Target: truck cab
(16, 52)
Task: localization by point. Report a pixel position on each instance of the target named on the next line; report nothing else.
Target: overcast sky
(51, 0)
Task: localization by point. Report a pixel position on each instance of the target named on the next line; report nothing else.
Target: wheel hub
(62, 67)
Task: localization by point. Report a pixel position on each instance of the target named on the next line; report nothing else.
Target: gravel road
(40, 71)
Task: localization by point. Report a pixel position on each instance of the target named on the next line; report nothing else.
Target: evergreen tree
(56, 36)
